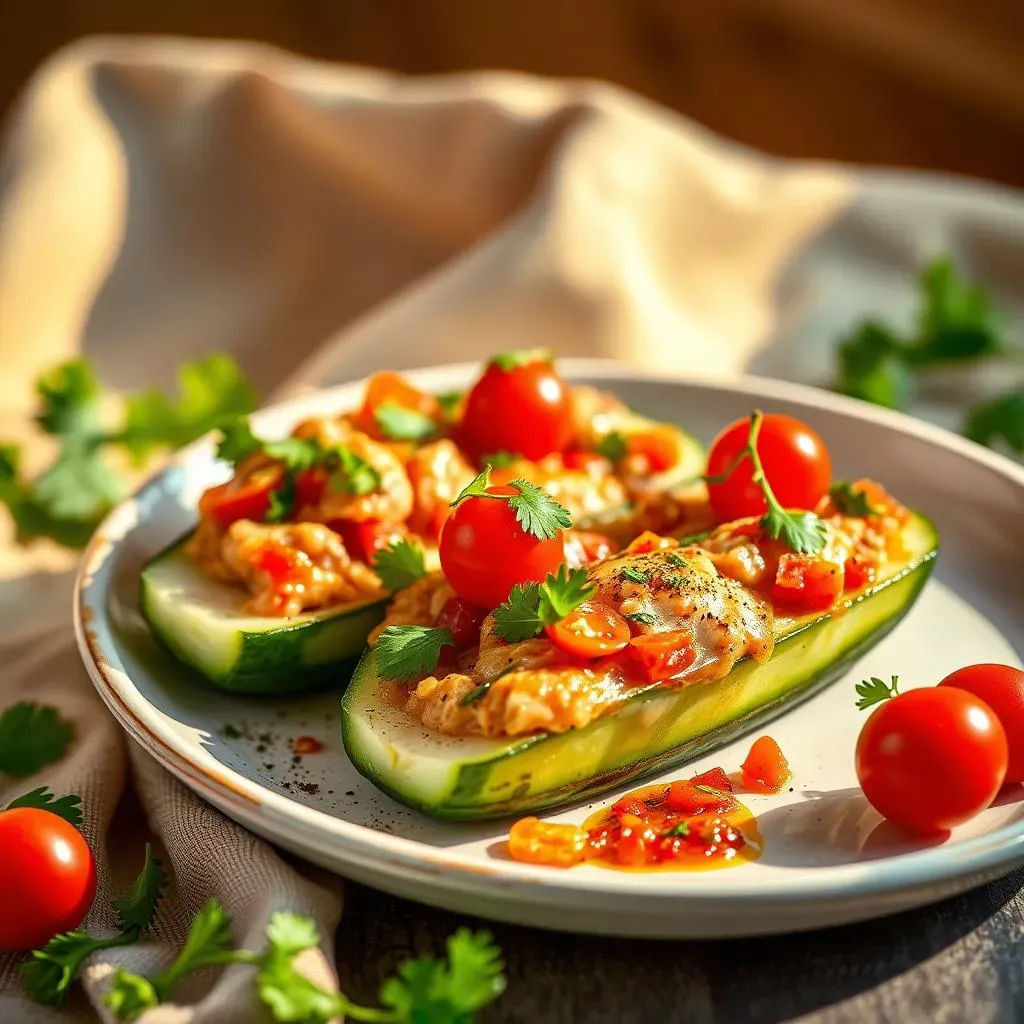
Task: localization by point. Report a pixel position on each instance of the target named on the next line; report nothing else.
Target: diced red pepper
(277, 561)
(363, 540)
(241, 498)
(715, 778)
(661, 656)
(464, 619)
(804, 584)
(309, 487)
(766, 769)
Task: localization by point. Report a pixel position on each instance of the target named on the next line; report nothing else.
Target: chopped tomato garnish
(648, 542)
(692, 797)
(657, 447)
(582, 547)
(804, 584)
(277, 561)
(634, 839)
(310, 487)
(538, 842)
(363, 540)
(241, 498)
(766, 769)
(629, 805)
(715, 778)
(663, 655)
(390, 387)
(306, 745)
(860, 571)
(590, 462)
(881, 500)
(463, 618)
(591, 630)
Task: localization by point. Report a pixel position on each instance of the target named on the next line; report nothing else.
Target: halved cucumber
(198, 620)
(474, 778)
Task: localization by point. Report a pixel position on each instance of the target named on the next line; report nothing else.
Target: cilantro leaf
(851, 502)
(402, 424)
(289, 995)
(350, 473)
(612, 446)
(130, 995)
(500, 459)
(238, 441)
(532, 606)
(472, 696)
(512, 360)
(632, 574)
(681, 828)
(282, 500)
(52, 970)
(292, 933)
(70, 400)
(536, 512)
(137, 907)
(873, 691)
(1001, 419)
(211, 390)
(643, 618)
(450, 401)
(31, 737)
(400, 564)
(78, 485)
(297, 453)
(873, 368)
(406, 651)
(803, 532)
(65, 807)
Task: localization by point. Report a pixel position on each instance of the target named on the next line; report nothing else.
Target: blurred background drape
(912, 83)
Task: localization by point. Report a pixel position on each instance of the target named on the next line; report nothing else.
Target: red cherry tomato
(796, 465)
(241, 498)
(463, 619)
(388, 387)
(591, 630)
(363, 540)
(526, 408)
(47, 877)
(1001, 687)
(931, 759)
(484, 551)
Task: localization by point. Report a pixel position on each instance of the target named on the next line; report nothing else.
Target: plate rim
(936, 866)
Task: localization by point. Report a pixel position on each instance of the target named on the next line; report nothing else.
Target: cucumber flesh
(476, 778)
(197, 619)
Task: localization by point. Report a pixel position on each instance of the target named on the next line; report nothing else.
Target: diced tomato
(310, 487)
(464, 620)
(390, 387)
(881, 500)
(684, 797)
(766, 769)
(582, 547)
(633, 839)
(629, 805)
(715, 778)
(241, 498)
(363, 540)
(277, 561)
(648, 542)
(860, 571)
(663, 655)
(589, 462)
(591, 630)
(657, 447)
(804, 584)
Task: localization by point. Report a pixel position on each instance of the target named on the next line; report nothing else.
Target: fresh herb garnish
(681, 828)
(52, 970)
(718, 794)
(852, 502)
(612, 446)
(999, 420)
(873, 691)
(400, 565)
(644, 618)
(803, 532)
(31, 737)
(631, 574)
(282, 500)
(450, 401)
(472, 696)
(401, 424)
(350, 474)
(531, 606)
(520, 357)
(66, 807)
(406, 651)
(536, 512)
(681, 561)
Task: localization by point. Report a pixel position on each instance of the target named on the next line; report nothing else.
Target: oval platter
(828, 858)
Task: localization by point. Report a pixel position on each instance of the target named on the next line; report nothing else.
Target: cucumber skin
(458, 804)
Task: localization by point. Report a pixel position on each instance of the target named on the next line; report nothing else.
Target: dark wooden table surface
(957, 961)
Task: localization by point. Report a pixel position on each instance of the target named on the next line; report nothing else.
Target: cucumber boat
(467, 778)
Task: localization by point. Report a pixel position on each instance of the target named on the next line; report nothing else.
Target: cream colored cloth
(161, 199)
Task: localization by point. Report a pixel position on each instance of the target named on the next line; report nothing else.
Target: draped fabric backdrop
(162, 198)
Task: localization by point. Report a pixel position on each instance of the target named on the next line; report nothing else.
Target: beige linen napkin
(159, 199)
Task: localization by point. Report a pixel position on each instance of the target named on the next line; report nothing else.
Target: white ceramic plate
(828, 857)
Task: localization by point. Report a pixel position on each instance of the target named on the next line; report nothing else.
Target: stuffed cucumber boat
(508, 684)
(295, 556)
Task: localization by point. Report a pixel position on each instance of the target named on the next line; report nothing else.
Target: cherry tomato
(796, 465)
(766, 769)
(484, 551)
(363, 540)
(526, 408)
(657, 447)
(241, 498)
(47, 877)
(463, 619)
(591, 630)
(1002, 689)
(388, 387)
(663, 655)
(931, 759)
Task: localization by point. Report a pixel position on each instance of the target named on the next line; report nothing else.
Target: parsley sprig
(613, 446)
(400, 564)
(874, 690)
(536, 512)
(850, 501)
(403, 652)
(956, 325)
(31, 737)
(66, 502)
(66, 807)
(532, 606)
(52, 970)
(803, 532)
(401, 424)
(423, 991)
